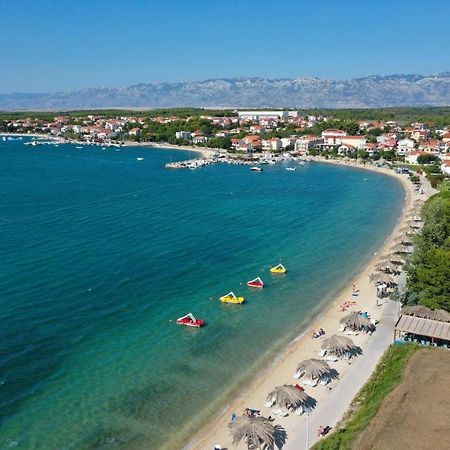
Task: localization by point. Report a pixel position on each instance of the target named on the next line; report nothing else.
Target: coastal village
(256, 136)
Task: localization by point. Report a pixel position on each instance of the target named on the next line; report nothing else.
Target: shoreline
(282, 367)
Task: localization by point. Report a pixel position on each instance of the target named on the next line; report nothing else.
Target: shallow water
(100, 253)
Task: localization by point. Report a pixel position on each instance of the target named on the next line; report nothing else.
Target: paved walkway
(340, 398)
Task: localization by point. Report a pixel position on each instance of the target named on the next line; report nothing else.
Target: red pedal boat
(257, 282)
(190, 321)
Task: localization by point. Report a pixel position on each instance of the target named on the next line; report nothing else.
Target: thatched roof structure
(339, 346)
(394, 257)
(415, 224)
(400, 248)
(313, 369)
(357, 322)
(289, 397)
(407, 229)
(426, 313)
(387, 266)
(257, 432)
(405, 239)
(382, 278)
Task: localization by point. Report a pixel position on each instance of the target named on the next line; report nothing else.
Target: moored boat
(256, 169)
(232, 298)
(140, 159)
(257, 282)
(190, 321)
(278, 269)
(291, 168)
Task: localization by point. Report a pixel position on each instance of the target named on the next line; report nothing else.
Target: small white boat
(79, 147)
(140, 159)
(256, 169)
(291, 168)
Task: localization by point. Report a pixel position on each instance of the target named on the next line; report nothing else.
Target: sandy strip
(206, 152)
(254, 395)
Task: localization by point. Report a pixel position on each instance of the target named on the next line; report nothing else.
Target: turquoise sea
(100, 253)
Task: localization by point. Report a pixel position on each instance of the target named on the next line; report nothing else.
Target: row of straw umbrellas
(259, 432)
(390, 266)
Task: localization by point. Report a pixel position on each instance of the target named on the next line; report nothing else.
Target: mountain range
(368, 92)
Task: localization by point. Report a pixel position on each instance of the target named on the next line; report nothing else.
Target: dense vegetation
(365, 405)
(439, 116)
(428, 268)
(110, 113)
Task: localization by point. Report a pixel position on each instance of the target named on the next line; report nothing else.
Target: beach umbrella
(313, 370)
(395, 258)
(405, 239)
(415, 225)
(257, 432)
(400, 248)
(382, 278)
(407, 230)
(289, 397)
(356, 322)
(339, 346)
(387, 266)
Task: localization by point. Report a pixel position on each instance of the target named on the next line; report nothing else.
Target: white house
(271, 144)
(183, 135)
(445, 167)
(306, 142)
(355, 141)
(405, 146)
(199, 139)
(258, 115)
(333, 136)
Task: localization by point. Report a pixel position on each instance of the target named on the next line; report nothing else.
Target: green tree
(428, 268)
(427, 159)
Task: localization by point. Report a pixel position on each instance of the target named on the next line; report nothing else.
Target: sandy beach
(282, 370)
(204, 151)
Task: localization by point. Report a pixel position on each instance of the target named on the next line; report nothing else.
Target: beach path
(331, 411)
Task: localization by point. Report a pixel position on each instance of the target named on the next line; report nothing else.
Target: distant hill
(368, 92)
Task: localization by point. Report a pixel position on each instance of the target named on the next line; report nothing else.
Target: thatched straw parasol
(382, 278)
(407, 230)
(315, 370)
(339, 346)
(395, 258)
(357, 322)
(258, 432)
(405, 239)
(400, 248)
(289, 397)
(426, 313)
(387, 266)
(414, 224)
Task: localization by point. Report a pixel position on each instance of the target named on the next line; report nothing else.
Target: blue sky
(52, 45)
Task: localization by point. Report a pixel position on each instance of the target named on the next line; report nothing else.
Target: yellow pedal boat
(278, 269)
(231, 298)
